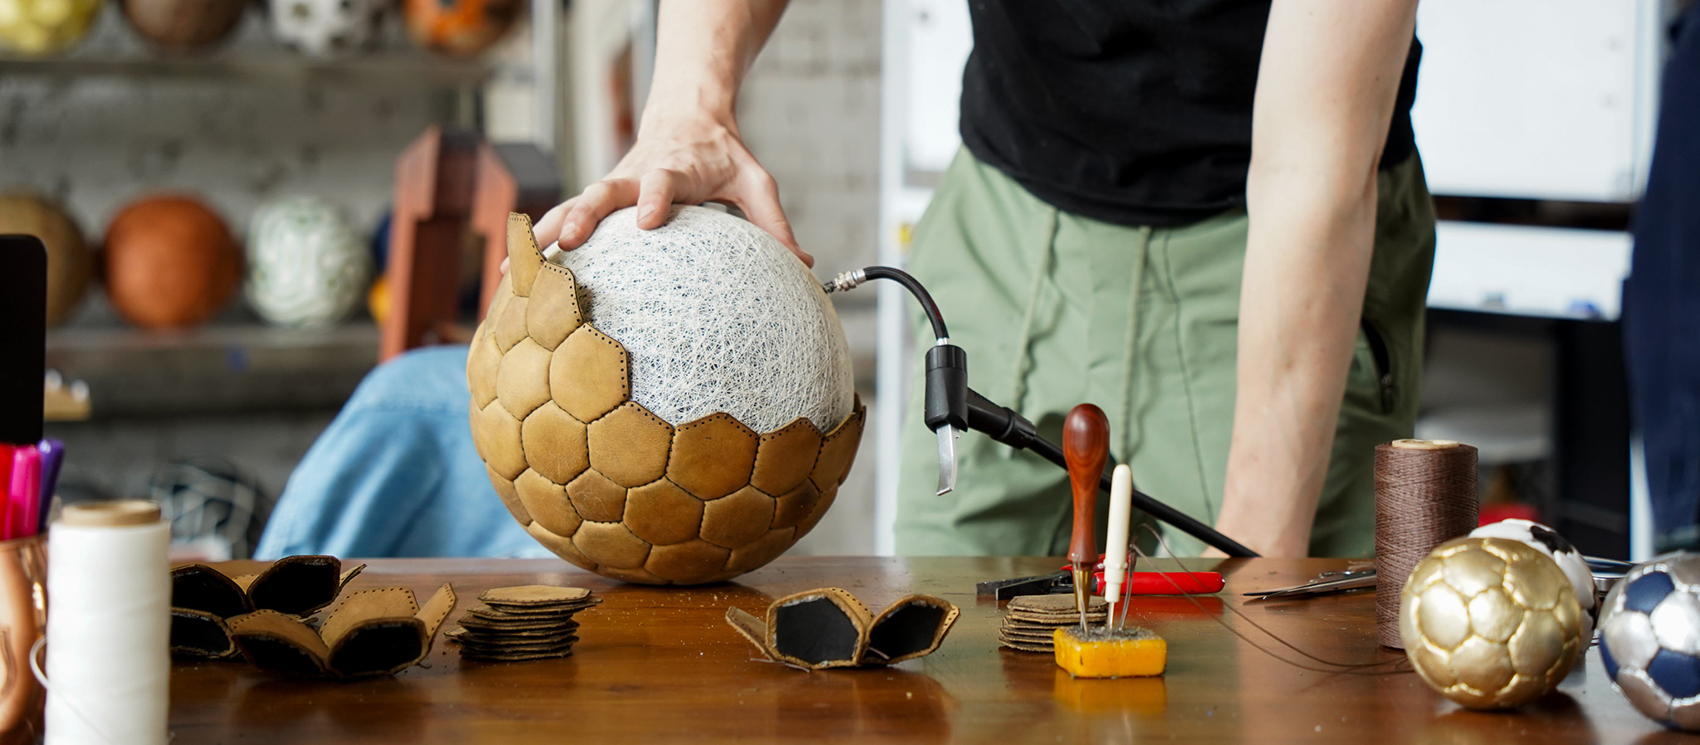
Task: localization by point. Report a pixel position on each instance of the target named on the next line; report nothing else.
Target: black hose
(921, 295)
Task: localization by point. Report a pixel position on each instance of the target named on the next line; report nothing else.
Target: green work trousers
(1054, 310)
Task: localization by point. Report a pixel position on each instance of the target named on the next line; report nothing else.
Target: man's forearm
(1326, 85)
(703, 48)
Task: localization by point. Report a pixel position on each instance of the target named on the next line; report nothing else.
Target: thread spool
(1425, 495)
(108, 625)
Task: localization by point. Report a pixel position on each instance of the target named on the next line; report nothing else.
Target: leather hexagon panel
(694, 562)
(629, 445)
(786, 457)
(594, 497)
(552, 312)
(555, 443)
(522, 382)
(601, 481)
(712, 456)
(662, 513)
(737, 519)
(610, 544)
(547, 503)
(587, 375)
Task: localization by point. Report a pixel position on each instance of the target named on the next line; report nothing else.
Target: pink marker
(25, 495)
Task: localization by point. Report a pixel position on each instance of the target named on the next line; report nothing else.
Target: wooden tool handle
(1086, 447)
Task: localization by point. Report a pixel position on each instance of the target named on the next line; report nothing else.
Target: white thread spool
(108, 625)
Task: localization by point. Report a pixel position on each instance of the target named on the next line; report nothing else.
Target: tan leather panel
(522, 382)
(737, 519)
(639, 576)
(561, 546)
(504, 294)
(510, 497)
(610, 545)
(552, 311)
(496, 434)
(838, 451)
(786, 457)
(365, 605)
(688, 563)
(596, 498)
(275, 625)
(547, 503)
(821, 506)
(662, 513)
(762, 550)
(630, 445)
(509, 327)
(588, 375)
(554, 443)
(436, 609)
(525, 260)
(712, 456)
(794, 506)
(482, 362)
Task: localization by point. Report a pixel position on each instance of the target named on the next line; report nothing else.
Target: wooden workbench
(658, 665)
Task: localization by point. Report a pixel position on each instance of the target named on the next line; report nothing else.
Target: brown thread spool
(1425, 495)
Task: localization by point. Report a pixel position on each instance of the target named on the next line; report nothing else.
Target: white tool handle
(1115, 545)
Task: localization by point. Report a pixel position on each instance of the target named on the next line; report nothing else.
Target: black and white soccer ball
(1650, 639)
(1549, 542)
(327, 28)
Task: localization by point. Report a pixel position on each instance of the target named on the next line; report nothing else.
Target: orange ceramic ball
(459, 28)
(70, 264)
(170, 262)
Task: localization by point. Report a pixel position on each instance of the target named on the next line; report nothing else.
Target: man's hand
(688, 148)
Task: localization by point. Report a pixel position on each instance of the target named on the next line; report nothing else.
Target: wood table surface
(660, 665)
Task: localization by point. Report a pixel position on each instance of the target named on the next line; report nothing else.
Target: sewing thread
(1425, 495)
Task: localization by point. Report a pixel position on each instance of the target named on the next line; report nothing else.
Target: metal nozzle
(845, 281)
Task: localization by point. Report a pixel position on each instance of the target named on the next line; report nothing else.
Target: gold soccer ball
(1490, 623)
(602, 481)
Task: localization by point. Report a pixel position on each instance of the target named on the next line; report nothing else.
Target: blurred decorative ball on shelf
(1490, 623)
(307, 266)
(327, 28)
(70, 263)
(378, 299)
(170, 262)
(40, 27)
(184, 25)
(459, 28)
(1549, 542)
(1650, 639)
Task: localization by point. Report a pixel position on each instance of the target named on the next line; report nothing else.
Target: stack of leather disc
(527, 622)
(1030, 620)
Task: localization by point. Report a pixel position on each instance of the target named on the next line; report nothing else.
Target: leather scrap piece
(204, 599)
(523, 622)
(371, 632)
(828, 627)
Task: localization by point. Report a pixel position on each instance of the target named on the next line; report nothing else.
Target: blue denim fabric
(395, 474)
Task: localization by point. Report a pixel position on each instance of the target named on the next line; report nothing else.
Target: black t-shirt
(1136, 112)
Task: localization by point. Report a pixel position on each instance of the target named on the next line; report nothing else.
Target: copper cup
(23, 620)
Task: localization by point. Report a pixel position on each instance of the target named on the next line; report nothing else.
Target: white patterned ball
(306, 265)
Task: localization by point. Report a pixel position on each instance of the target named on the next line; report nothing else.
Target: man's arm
(688, 147)
(1325, 91)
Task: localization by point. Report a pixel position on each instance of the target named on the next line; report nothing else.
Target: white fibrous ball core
(716, 316)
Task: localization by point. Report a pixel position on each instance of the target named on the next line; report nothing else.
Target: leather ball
(39, 27)
(70, 263)
(605, 483)
(306, 265)
(184, 25)
(1490, 623)
(459, 28)
(170, 262)
(1650, 639)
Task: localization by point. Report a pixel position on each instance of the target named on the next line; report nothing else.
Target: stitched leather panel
(712, 456)
(821, 506)
(496, 434)
(482, 362)
(510, 497)
(838, 451)
(525, 260)
(554, 443)
(793, 507)
(596, 498)
(662, 513)
(694, 562)
(547, 503)
(737, 519)
(562, 546)
(522, 382)
(630, 445)
(762, 550)
(638, 576)
(588, 374)
(786, 457)
(552, 310)
(510, 325)
(365, 605)
(611, 545)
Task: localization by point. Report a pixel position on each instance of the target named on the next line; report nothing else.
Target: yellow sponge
(1110, 653)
